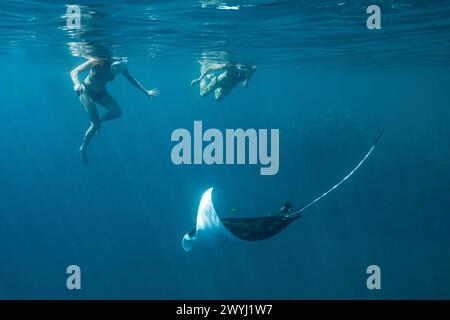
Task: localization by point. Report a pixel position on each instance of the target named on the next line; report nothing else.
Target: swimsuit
(99, 73)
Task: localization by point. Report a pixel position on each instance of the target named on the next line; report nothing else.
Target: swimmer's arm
(82, 67)
(134, 82)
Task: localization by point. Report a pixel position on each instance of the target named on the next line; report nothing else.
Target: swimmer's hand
(194, 82)
(153, 93)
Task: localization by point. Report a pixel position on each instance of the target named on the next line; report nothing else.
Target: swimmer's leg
(109, 103)
(205, 81)
(221, 93)
(207, 88)
(91, 109)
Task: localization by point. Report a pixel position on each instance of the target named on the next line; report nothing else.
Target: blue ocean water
(326, 81)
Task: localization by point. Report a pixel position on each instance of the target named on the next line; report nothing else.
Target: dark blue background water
(121, 217)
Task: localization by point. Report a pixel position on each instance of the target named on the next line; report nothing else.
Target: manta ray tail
(297, 213)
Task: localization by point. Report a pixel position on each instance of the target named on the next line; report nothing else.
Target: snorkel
(119, 65)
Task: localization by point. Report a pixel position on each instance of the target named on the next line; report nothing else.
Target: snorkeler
(93, 90)
(231, 75)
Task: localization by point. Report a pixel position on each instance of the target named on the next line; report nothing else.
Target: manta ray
(211, 228)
